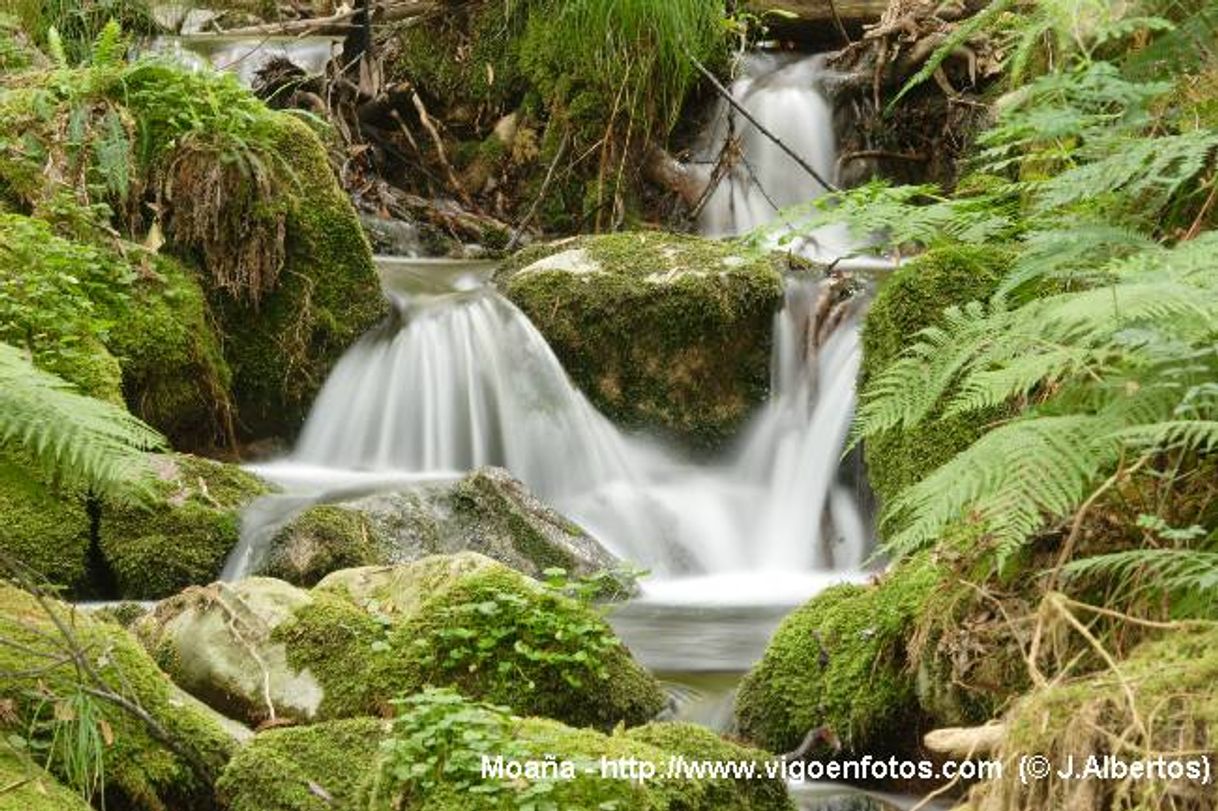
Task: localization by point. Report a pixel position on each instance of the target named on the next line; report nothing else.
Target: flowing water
(244, 56)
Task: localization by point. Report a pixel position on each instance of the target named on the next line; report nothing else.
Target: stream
(459, 378)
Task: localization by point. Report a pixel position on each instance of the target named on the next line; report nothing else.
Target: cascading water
(785, 94)
(461, 379)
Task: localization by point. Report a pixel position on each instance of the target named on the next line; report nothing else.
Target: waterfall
(460, 378)
(785, 94)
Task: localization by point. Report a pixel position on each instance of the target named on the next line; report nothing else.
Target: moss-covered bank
(26, 786)
(141, 772)
(840, 662)
(664, 332)
(910, 300)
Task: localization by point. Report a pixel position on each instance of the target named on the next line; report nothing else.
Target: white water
(784, 94)
(464, 379)
(245, 56)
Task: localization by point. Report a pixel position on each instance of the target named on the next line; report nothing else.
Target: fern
(77, 441)
(1188, 576)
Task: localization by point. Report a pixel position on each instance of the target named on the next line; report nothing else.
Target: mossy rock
(45, 530)
(335, 764)
(321, 540)
(26, 786)
(487, 511)
(328, 295)
(494, 634)
(1161, 705)
(364, 637)
(582, 786)
(183, 537)
(174, 374)
(663, 332)
(839, 662)
(141, 773)
(910, 300)
(313, 768)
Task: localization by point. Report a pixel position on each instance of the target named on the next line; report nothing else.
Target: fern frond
(1007, 482)
(76, 440)
(1189, 576)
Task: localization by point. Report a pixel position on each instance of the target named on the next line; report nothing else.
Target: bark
(821, 11)
(965, 742)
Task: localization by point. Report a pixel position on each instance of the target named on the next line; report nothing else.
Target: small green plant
(71, 732)
(437, 744)
(518, 636)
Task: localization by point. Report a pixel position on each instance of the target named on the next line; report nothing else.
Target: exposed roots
(226, 209)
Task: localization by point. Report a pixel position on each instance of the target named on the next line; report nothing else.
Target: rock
(663, 332)
(964, 742)
(46, 530)
(392, 237)
(26, 786)
(487, 511)
(302, 768)
(355, 764)
(839, 661)
(261, 648)
(327, 296)
(141, 772)
(174, 373)
(184, 535)
(911, 299)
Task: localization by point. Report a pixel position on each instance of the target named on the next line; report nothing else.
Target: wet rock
(487, 511)
(663, 332)
(392, 237)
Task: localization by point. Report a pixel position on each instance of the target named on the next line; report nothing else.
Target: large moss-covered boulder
(182, 536)
(663, 332)
(328, 293)
(910, 300)
(487, 511)
(175, 377)
(352, 764)
(26, 786)
(143, 772)
(839, 662)
(261, 648)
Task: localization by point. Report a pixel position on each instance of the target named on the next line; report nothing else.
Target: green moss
(839, 662)
(321, 540)
(456, 788)
(25, 785)
(141, 773)
(175, 377)
(328, 295)
(661, 331)
(495, 635)
(338, 643)
(46, 531)
(16, 53)
(183, 537)
(911, 299)
(282, 769)
(489, 631)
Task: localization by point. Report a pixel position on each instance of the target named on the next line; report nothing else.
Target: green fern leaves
(77, 441)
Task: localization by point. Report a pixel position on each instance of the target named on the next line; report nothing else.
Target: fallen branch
(541, 193)
(334, 24)
(430, 126)
(740, 108)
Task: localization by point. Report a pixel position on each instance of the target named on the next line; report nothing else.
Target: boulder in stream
(663, 332)
(487, 511)
(261, 649)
